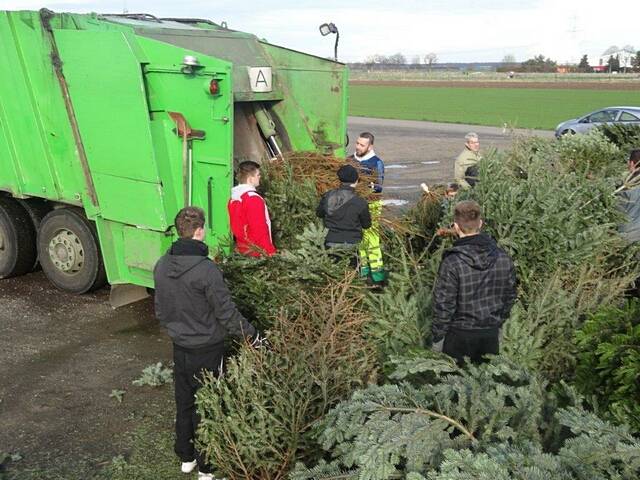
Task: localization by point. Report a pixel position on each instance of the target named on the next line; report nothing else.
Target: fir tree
(584, 66)
(487, 422)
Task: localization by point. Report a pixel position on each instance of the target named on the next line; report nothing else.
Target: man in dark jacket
(629, 199)
(345, 213)
(474, 292)
(194, 304)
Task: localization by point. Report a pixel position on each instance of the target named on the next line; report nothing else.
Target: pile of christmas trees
(349, 388)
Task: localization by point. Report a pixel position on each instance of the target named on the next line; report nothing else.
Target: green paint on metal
(128, 88)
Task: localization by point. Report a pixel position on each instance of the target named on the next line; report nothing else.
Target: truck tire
(17, 239)
(69, 251)
(37, 210)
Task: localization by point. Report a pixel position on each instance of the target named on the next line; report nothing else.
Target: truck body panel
(108, 114)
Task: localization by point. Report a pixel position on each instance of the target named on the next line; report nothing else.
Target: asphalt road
(416, 152)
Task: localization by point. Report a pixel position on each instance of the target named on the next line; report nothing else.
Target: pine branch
(430, 413)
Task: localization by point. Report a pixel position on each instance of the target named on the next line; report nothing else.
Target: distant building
(625, 54)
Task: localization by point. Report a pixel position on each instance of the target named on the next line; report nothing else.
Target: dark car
(626, 115)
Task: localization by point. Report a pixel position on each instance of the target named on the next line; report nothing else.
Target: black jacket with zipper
(192, 300)
(345, 214)
(475, 288)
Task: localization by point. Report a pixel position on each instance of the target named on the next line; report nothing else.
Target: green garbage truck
(109, 124)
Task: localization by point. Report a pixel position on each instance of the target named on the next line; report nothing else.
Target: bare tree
(509, 59)
(397, 59)
(430, 58)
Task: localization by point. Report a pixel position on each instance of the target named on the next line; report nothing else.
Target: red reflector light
(214, 87)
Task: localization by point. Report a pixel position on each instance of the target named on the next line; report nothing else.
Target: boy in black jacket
(474, 292)
(194, 304)
(344, 212)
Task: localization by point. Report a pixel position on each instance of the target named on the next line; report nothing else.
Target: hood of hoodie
(185, 254)
(239, 190)
(339, 197)
(478, 251)
(366, 156)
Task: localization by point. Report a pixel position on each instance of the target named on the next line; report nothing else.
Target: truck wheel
(17, 239)
(37, 210)
(69, 251)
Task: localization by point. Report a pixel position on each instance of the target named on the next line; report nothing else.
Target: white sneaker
(187, 467)
(206, 476)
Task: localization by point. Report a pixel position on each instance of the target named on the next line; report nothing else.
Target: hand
(437, 346)
(259, 340)
(446, 232)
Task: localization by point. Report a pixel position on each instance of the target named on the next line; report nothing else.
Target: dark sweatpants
(188, 365)
(471, 343)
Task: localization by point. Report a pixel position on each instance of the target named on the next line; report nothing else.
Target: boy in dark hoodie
(474, 292)
(194, 304)
(344, 213)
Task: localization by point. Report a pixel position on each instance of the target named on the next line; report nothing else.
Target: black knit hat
(348, 174)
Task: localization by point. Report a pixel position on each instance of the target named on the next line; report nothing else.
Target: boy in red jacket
(250, 223)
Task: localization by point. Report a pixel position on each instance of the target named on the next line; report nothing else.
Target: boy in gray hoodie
(194, 304)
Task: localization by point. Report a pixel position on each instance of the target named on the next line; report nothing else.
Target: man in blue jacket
(370, 164)
(370, 252)
(194, 304)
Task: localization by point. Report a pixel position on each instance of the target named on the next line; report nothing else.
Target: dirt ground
(503, 84)
(62, 355)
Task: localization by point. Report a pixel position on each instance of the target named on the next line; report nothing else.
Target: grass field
(461, 76)
(520, 108)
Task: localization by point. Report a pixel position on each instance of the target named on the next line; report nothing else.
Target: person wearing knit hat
(344, 213)
(348, 174)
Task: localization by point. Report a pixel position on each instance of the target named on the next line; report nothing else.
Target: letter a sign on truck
(260, 78)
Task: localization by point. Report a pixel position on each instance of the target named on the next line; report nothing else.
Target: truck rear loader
(109, 124)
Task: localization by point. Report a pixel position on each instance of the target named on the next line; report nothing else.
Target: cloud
(457, 30)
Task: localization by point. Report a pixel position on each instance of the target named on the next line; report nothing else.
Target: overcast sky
(456, 30)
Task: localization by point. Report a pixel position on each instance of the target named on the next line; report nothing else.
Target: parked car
(626, 115)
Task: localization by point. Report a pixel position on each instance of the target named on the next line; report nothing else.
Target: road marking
(402, 187)
(394, 202)
(431, 162)
(395, 165)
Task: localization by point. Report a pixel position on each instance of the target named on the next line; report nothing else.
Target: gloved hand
(437, 346)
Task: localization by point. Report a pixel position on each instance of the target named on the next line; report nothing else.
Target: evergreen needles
(257, 418)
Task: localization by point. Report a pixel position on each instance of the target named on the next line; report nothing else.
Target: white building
(625, 54)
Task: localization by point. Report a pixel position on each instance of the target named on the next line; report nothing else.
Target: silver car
(626, 115)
